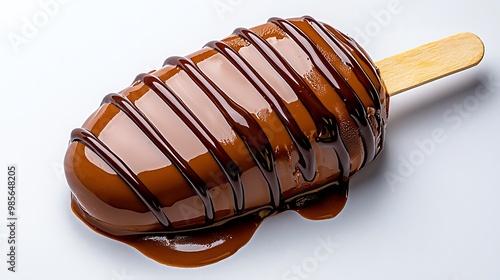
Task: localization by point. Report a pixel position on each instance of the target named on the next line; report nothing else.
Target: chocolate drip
(307, 161)
(194, 181)
(350, 44)
(348, 59)
(138, 78)
(227, 165)
(241, 121)
(327, 127)
(353, 46)
(123, 171)
(354, 105)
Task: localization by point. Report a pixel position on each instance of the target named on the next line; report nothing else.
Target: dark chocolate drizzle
(244, 124)
(354, 105)
(372, 70)
(307, 161)
(348, 59)
(128, 176)
(326, 124)
(241, 121)
(353, 47)
(231, 170)
(346, 56)
(194, 181)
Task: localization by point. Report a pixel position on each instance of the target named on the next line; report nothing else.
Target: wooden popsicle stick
(430, 62)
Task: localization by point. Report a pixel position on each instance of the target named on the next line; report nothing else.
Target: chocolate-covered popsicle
(186, 162)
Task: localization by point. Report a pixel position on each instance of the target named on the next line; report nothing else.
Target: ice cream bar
(187, 161)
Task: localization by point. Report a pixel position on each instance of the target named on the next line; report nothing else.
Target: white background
(440, 220)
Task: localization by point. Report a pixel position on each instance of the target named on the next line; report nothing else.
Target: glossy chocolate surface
(273, 118)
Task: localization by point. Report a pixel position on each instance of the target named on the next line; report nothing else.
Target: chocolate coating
(269, 119)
